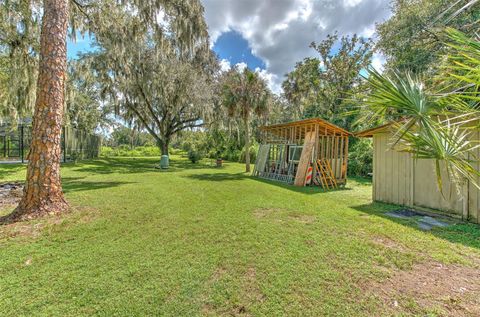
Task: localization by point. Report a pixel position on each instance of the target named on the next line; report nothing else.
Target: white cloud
(225, 65)
(241, 66)
(271, 79)
(351, 3)
(280, 31)
(378, 62)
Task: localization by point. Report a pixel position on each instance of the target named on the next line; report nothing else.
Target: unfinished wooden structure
(306, 152)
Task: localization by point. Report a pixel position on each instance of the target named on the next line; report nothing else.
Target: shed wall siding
(427, 194)
(391, 173)
(399, 179)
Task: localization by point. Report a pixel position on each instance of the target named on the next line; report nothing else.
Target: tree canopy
(177, 26)
(412, 38)
(19, 49)
(245, 94)
(322, 86)
(158, 76)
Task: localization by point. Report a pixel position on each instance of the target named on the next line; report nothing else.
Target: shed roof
(329, 127)
(375, 130)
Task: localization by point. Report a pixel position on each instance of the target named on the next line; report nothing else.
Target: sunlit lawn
(196, 240)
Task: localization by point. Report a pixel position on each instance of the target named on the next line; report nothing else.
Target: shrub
(253, 154)
(360, 161)
(125, 151)
(194, 156)
(75, 156)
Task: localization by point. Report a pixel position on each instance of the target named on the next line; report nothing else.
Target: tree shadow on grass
(75, 184)
(307, 190)
(114, 165)
(218, 177)
(178, 165)
(221, 177)
(132, 165)
(460, 232)
(361, 180)
(69, 185)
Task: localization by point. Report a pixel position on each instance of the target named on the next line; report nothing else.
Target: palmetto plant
(434, 125)
(463, 68)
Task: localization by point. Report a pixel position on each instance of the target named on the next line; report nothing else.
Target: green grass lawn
(196, 240)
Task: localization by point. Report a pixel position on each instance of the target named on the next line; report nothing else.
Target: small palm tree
(245, 93)
(433, 125)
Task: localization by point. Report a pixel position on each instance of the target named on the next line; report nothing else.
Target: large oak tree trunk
(43, 189)
(247, 145)
(164, 147)
(163, 144)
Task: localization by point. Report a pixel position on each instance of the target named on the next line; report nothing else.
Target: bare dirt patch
(250, 294)
(387, 243)
(218, 274)
(252, 289)
(33, 229)
(10, 194)
(451, 290)
(282, 215)
(306, 219)
(265, 212)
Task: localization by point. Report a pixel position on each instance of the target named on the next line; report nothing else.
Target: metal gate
(76, 144)
(12, 145)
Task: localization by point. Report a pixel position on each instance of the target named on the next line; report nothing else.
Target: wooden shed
(400, 179)
(306, 152)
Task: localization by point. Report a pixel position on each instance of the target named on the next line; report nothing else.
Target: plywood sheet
(305, 159)
(262, 158)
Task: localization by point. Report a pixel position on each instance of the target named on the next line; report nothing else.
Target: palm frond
(426, 125)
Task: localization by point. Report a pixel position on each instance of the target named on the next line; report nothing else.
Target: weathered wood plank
(305, 159)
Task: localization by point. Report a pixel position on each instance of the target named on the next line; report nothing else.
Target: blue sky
(81, 45)
(233, 47)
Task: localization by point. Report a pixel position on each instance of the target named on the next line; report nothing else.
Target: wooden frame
(330, 147)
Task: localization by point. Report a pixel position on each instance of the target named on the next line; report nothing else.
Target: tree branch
(81, 8)
(183, 127)
(143, 120)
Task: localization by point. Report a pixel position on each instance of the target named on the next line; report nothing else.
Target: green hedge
(125, 151)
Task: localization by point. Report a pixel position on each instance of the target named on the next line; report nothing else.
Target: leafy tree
(412, 38)
(301, 86)
(322, 86)
(163, 96)
(3, 81)
(20, 23)
(360, 158)
(245, 94)
(84, 109)
(130, 136)
(154, 80)
(182, 25)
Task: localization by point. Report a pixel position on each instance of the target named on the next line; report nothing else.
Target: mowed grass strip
(196, 240)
